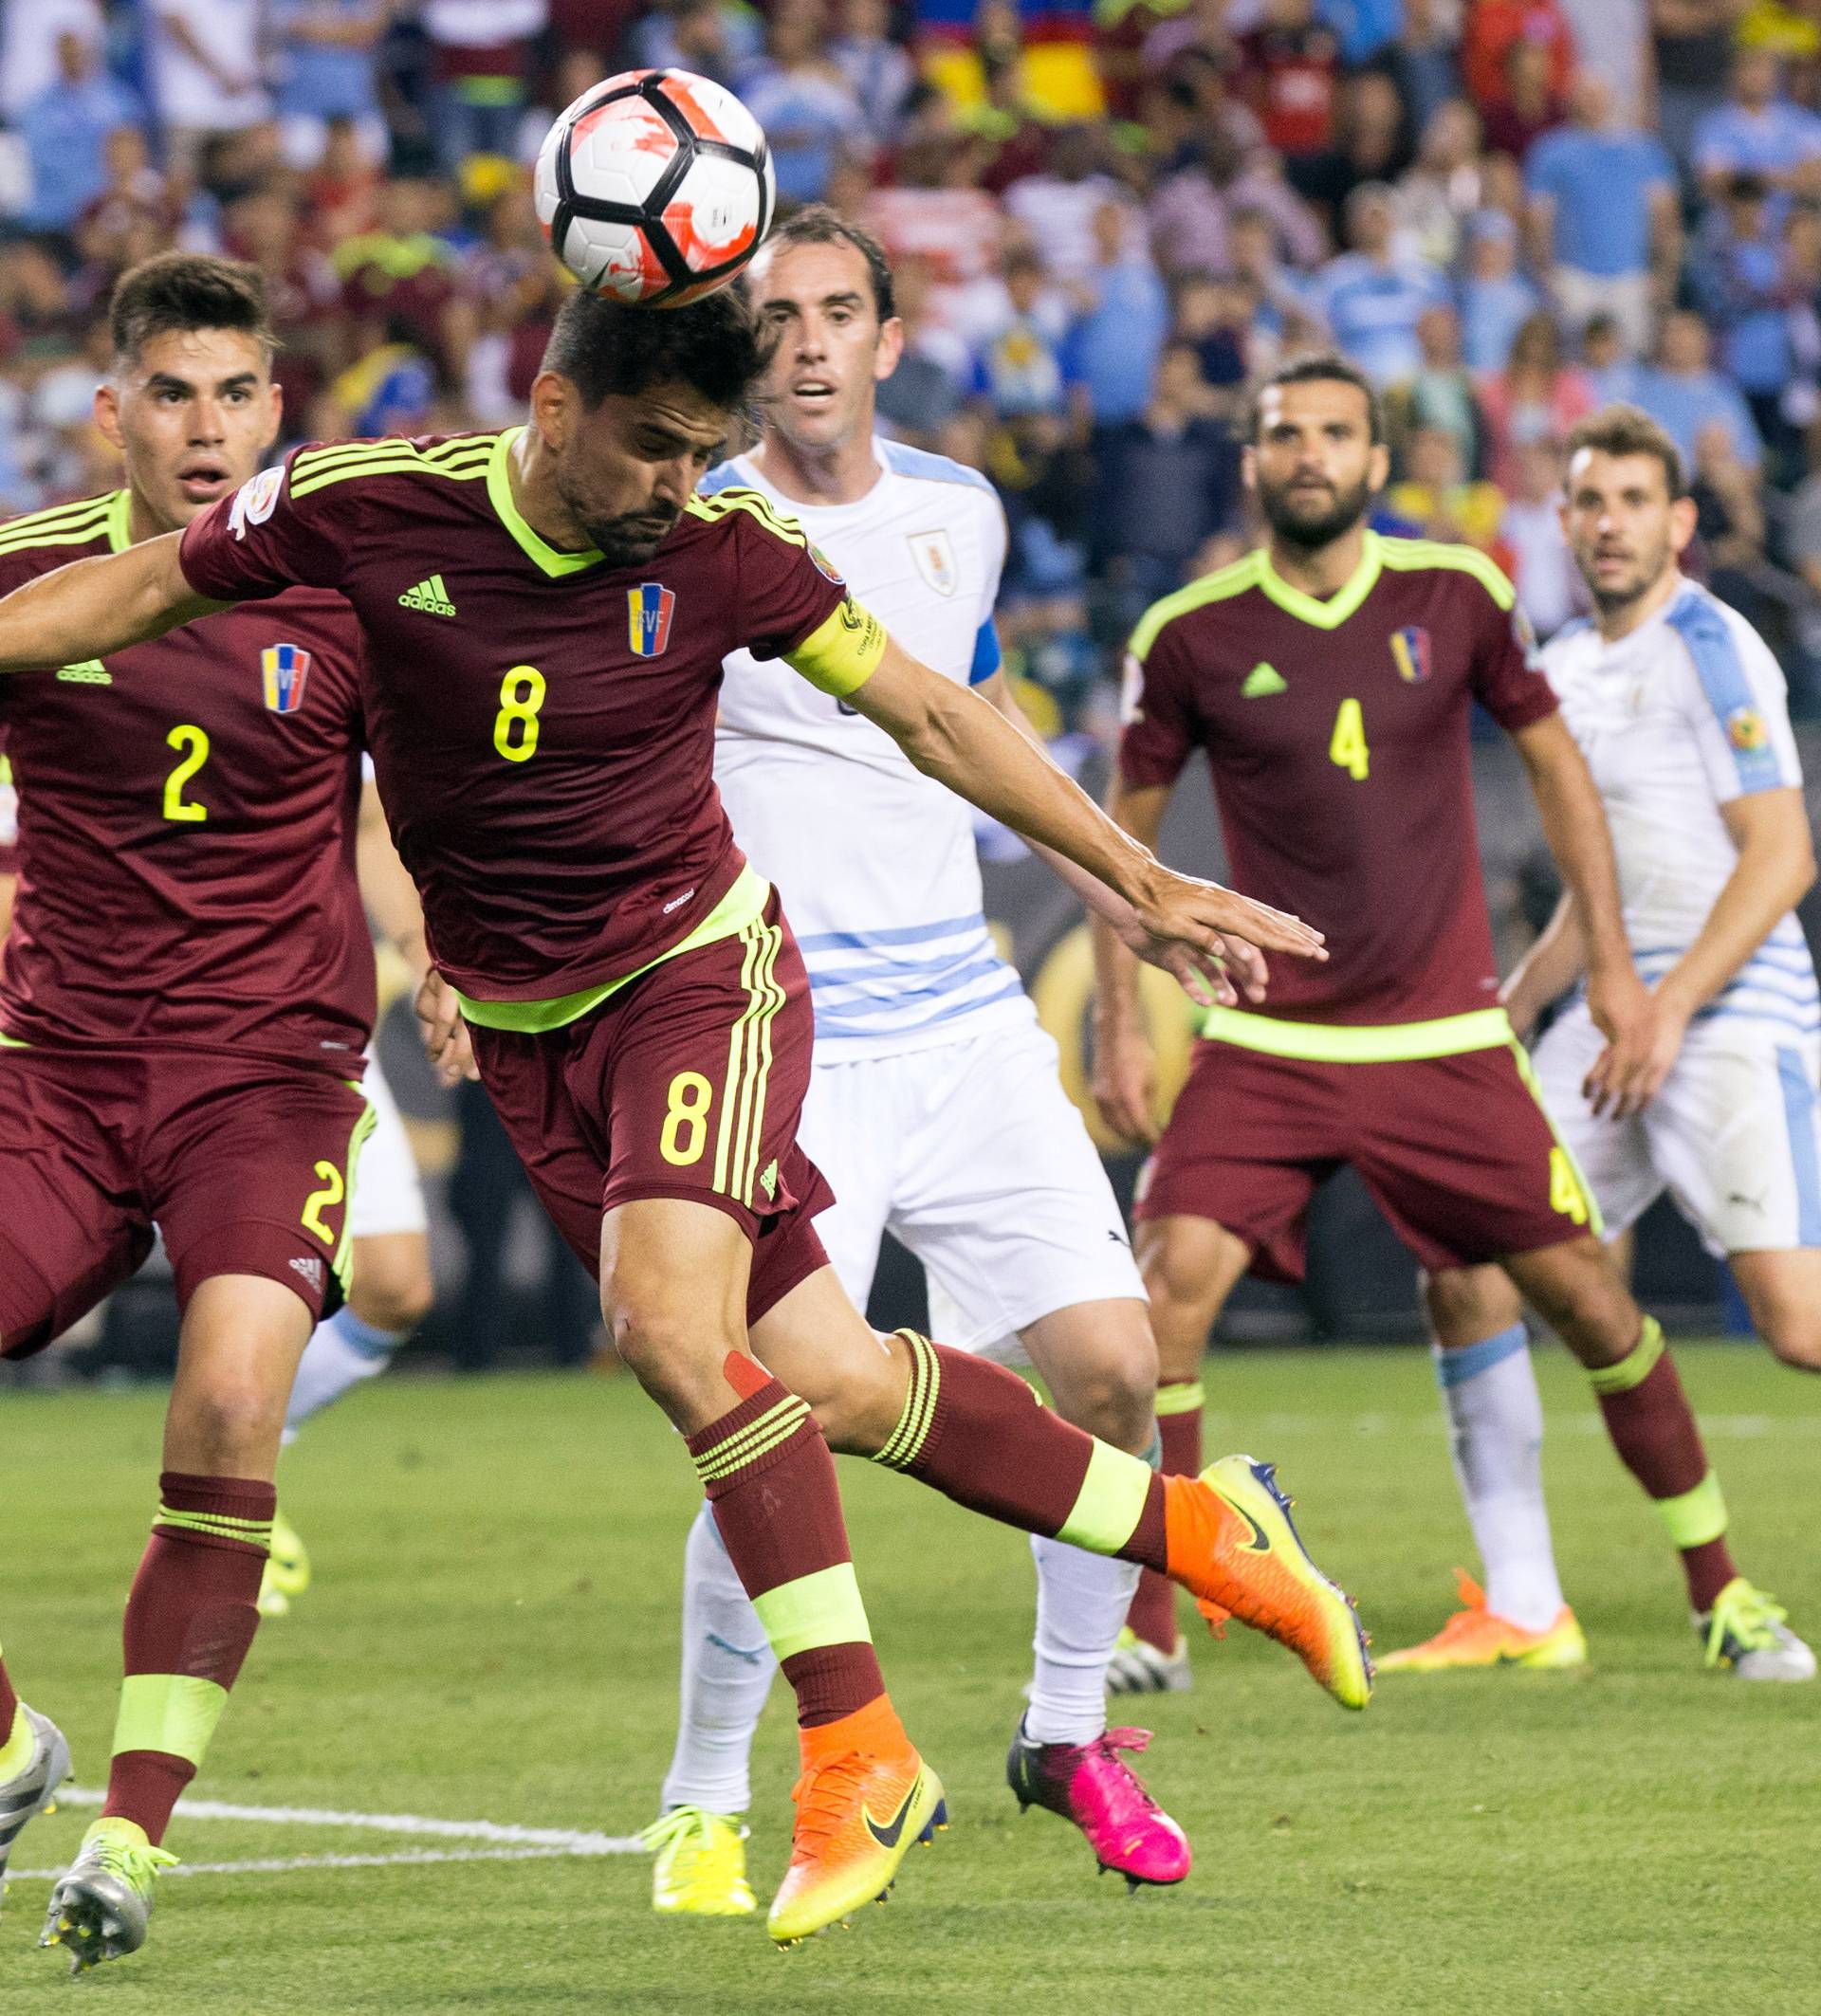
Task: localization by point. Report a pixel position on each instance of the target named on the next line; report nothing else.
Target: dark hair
(1629, 430)
(607, 348)
(820, 223)
(1319, 367)
(187, 290)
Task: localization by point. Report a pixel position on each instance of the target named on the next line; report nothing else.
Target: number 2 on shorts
(1347, 746)
(331, 1194)
(685, 1121)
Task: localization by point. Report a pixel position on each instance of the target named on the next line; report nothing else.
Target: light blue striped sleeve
(1741, 714)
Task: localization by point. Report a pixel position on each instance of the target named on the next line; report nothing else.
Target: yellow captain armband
(844, 653)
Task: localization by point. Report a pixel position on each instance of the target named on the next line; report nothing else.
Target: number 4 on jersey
(1346, 745)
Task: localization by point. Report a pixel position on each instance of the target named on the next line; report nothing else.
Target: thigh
(1460, 1155)
(853, 1130)
(1614, 1156)
(72, 1227)
(1249, 1140)
(1733, 1132)
(388, 1197)
(1003, 1198)
(248, 1170)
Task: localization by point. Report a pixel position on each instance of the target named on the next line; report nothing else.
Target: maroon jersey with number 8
(187, 815)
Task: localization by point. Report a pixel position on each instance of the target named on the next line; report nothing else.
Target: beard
(1313, 526)
(1652, 562)
(629, 540)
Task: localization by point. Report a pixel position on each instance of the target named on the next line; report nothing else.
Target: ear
(1682, 525)
(274, 411)
(554, 405)
(890, 348)
(107, 412)
(1249, 466)
(1378, 466)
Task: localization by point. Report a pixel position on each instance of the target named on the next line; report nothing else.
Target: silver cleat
(100, 1906)
(1747, 1634)
(32, 1790)
(1138, 1667)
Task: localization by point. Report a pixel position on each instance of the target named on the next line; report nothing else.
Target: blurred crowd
(1104, 223)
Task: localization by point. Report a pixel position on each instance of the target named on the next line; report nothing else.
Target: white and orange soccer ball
(656, 187)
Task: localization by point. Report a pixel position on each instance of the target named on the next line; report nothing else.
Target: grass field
(492, 1638)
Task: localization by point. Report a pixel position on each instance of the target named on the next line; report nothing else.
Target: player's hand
(1230, 968)
(1633, 1065)
(1125, 1081)
(1191, 927)
(446, 1042)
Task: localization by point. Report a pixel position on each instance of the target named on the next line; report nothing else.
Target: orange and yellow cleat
(1475, 1636)
(1231, 1543)
(864, 1799)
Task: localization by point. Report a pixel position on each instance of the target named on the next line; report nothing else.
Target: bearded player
(1680, 711)
(934, 1106)
(545, 614)
(186, 1000)
(1329, 677)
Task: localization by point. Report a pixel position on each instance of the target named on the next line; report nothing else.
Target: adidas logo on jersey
(311, 1268)
(430, 597)
(1263, 680)
(91, 672)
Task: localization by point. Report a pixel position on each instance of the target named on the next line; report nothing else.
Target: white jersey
(875, 862)
(1680, 718)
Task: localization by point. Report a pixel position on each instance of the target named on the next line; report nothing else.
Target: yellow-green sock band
(1697, 1516)
(1635, 1366)
(1110, 1502)
(16, 1747)
(819, 1609)
(170, 1712)
(904, 1444)
(1186, 1398)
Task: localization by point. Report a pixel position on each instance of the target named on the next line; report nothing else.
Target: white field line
(504, 1843)
(1717, 1427)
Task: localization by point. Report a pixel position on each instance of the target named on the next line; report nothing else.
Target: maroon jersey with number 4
(1337, 736)
(541, 723)
(187, 814)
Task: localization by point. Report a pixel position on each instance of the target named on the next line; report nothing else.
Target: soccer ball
(656, 187)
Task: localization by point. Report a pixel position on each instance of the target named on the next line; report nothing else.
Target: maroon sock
(979, 1434)
(191, 1617)
(1653, 1429)
(8, 1704)
(1153, 1616)
(771, 1480)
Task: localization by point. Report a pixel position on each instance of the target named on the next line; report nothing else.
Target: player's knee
(1794, 1336)
(1466, 1304)
(398, 1299)
(862, 1402)
(229, 1430)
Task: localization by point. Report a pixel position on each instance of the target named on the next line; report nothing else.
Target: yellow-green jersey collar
(120, 520)
(499, 494)
(1332, 614)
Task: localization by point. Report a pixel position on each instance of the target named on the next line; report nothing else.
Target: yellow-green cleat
(287, 1569)
(100, 1905)
(701, 1865)
(1747, 1634)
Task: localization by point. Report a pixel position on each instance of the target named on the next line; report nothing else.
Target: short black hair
(1319, 367)
(612, 348)
(821, 224)
(187, 290)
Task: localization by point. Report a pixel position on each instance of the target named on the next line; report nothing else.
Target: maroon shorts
(688, 1082)
(1455, 1151)
(244, 1168)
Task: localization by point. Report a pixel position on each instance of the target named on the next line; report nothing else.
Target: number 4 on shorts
(1565, 1192)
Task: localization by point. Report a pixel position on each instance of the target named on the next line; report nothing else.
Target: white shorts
(1732, 1136)
(971, 1154)
(387, 1194)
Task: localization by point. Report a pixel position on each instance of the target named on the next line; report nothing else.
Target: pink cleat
(1091, 1784)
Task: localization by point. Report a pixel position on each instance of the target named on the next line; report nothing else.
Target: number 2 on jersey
(193, 742)
(515, 726)
(1347, 746)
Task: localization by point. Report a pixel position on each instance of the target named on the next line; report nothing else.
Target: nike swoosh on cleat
(1257, 1544)
(887, 1837)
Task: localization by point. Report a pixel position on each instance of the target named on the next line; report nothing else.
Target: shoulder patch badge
(1745, 729)
(256, 500)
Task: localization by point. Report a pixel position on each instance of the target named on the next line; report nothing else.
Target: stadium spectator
(1276, 307)
(923, 396)
(1372, 144)
(1539, 397)
(1609, 368)
(1613, 40)
(1110, 352)
(1529, 105)
(65, 128)
(716, 38)
(1057, 206)
(1738, 272)
(936, 210)
(482, 52)
(1442, 188)
(1685, 395)
(1496, 298)
(399, 280)
(1018, 372)
(1213, 314)
(204, 60)
(1493, 27)
(1692, 47)
(1442, 499)
(1603, 218)
(1758, 132)
(1290, 75)
(1542, 568)
(29, 32)
(878, 71)
(325, 69)
(1440, 395)
(798, 94)
(1371, 298)
(1421, 58)
(1195, 209)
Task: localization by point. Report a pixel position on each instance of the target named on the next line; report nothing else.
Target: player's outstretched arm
(95, 606)
(1575, 826)
(951, 734)
(1551, 966)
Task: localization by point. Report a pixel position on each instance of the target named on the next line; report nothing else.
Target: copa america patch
(256, 500)
(1745, 729)
(285, 668)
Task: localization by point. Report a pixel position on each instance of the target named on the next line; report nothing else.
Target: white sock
(728, 1667)
(1495, 1418)
(1081, 1602)
(340, 1353)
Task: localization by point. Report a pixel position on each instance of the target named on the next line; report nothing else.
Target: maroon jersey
(541, 723)
(1336, 733)
(187, 815)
